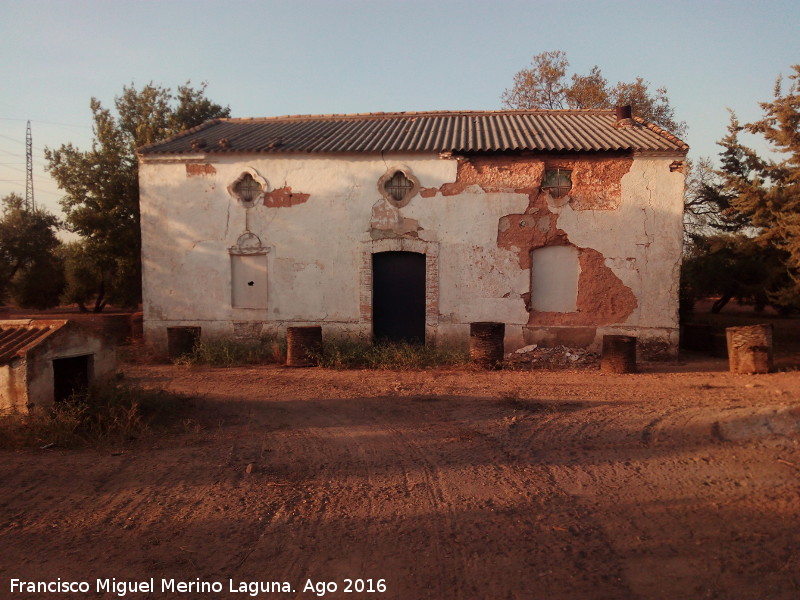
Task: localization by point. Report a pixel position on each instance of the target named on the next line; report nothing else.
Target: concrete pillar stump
(619, 354)
(301, 345)
(486, 344)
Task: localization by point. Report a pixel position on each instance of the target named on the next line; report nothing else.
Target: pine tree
(764, 191)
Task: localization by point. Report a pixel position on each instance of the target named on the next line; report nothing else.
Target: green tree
(765, 192)
(30, 273)
(707, 206)
(86, 277)
(728, 266)
(102, 185)
(544, 84)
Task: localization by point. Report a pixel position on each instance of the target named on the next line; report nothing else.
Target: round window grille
(398, 186)
(248, 188)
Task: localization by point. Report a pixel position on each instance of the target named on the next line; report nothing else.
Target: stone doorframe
(431, 252)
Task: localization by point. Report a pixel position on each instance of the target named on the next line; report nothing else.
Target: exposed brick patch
(596, 180)
(284, 197)
(602, 297)
(596, 183)
(198, 170)
(534, 229)
(493, 174)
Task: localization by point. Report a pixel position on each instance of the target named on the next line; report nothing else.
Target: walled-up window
(249, 280)
(554, 279)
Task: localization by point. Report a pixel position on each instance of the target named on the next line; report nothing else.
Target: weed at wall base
(228, 352)
(337, 353)
(348, 353)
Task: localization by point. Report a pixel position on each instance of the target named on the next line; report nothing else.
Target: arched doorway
(398, 296)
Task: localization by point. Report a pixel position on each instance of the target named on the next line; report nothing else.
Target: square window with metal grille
(558, 182)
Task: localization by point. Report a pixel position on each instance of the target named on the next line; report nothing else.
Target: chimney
(624, 112)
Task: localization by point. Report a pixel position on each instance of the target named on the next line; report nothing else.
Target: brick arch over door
(431, 252)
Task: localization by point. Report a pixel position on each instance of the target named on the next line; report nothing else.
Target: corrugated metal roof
(19, 336)
(470, 131)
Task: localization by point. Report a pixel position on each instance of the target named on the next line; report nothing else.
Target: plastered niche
(386, 221)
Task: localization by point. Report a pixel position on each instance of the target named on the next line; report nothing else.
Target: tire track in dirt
(374, 450)
(454, 492)
(437, 504)
(549, 439)
(312, 503)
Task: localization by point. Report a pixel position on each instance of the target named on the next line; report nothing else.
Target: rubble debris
(558, 357)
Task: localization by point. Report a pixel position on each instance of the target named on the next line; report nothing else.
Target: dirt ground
(678, 482)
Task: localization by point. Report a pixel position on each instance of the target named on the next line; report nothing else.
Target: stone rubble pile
(558, 357)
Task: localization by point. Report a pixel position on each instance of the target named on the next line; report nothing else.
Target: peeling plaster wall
(640, 242)
(13, 388)
(320, 214)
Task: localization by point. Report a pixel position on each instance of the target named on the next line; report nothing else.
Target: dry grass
(112, 412)
(229, 352)
(346, 353)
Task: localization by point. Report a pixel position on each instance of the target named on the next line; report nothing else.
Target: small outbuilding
(45, 361)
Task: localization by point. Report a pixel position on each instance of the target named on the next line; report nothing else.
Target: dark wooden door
(398, 297)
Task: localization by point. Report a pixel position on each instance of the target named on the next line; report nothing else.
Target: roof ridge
(434, 131)
(427, 113)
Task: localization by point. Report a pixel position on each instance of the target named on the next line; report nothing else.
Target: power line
(47, 123)
(8, 137)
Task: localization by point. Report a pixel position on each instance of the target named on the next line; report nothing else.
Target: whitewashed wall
(316, 248)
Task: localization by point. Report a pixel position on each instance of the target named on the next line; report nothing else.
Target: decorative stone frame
(248, 243)
(431, 252)
(258, 178)
(408, 196)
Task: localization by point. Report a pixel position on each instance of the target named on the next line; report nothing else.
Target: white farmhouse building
(564, 225)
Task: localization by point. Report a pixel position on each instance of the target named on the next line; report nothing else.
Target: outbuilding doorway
(70, 376)
(398, 297)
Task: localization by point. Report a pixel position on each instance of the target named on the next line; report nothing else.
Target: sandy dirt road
(680, 482)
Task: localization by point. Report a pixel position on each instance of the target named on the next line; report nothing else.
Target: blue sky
(316, 57)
